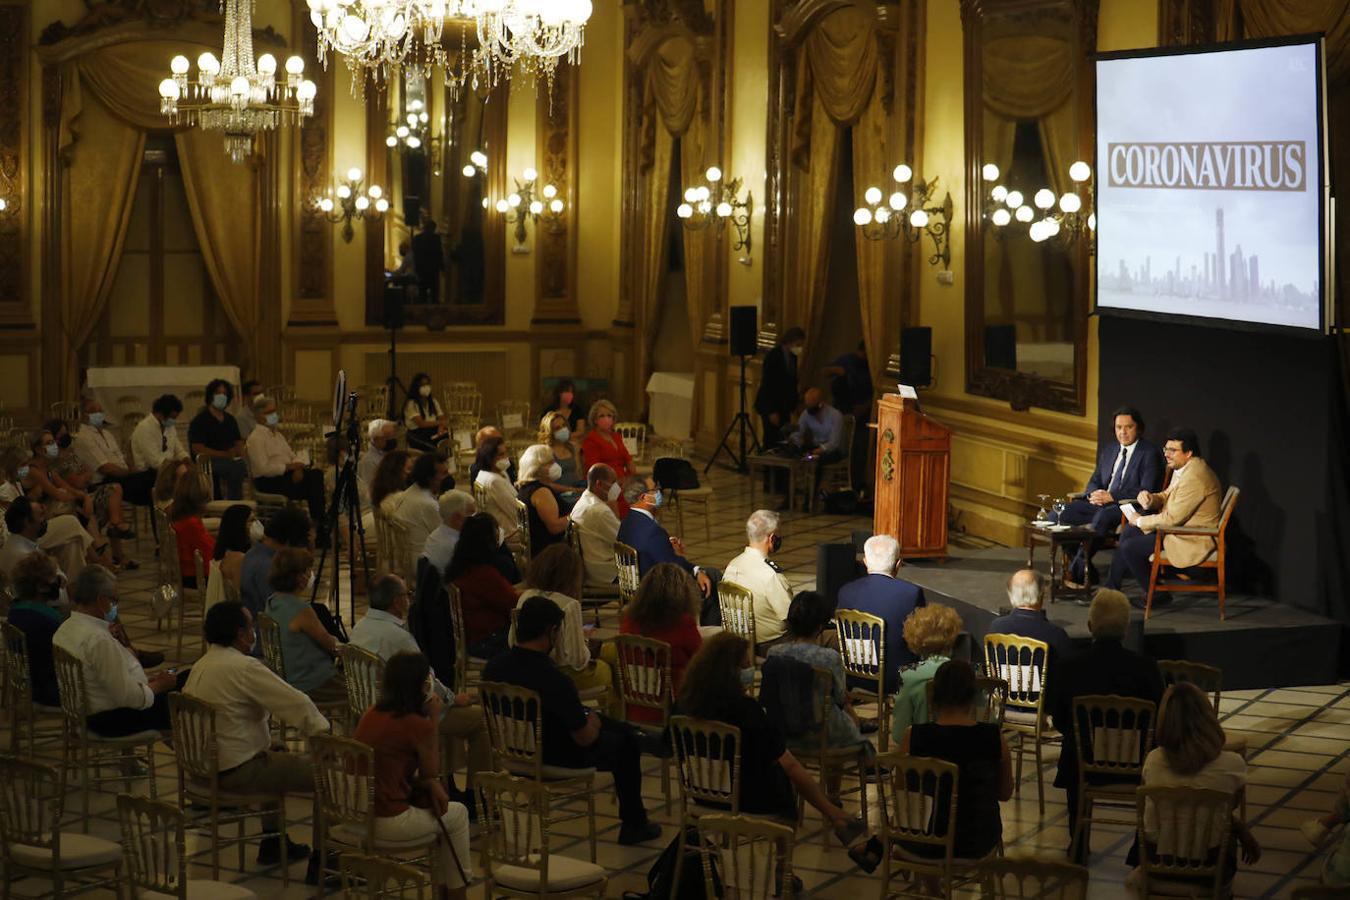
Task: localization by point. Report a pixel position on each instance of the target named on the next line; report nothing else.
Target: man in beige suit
(1191, 500)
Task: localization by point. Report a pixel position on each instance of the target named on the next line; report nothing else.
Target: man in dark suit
(1028, 619)
(428, 262)
(1125, 466)
(881, 594)
(640, 530)
(1106, 667)
(777, 395)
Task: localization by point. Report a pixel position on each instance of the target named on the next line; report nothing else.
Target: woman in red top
(401, 727)
(604, 445)
(185, 512)
(666, 609)
(486, 597)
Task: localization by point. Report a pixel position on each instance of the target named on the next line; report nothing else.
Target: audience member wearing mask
(239, 528)
(454, 508)
(154, 440)
(564, 403)
(666, 608)
(401, 727)
(383, 437)
(548, 525)
(214, 433)
(605, 445)
(423, 417)
(121, 699)
(248, 420)
(819, 435)
(43, 483)
(493, 462)
(288, 527)
(390, 481)
(554, 434)
(418, 508)
(306, 645)
(275, 467)
(245, 695)
(185, 513)
(383, 631)
(37, 611)
(30, 531)
(595, 519)
(481, 436)
(641, 531)
(882, 593)
(777, 395)
(574, 736)
(754, 571)
(486, 595)
(100, 450)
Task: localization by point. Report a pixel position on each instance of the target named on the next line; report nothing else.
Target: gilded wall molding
(559, 158)
(312, 297)
(14, 308)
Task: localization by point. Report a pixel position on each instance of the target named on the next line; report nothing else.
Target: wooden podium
(913, 477)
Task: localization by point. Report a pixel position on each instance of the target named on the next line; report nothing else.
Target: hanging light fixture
(377, 36)
(236, 94)
(534, 34)
(1067, 217)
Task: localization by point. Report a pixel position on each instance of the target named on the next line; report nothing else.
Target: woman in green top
(930, 631)
(307, 649)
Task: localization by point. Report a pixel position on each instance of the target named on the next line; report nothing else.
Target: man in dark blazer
(640, 530)
(881, 594)
(1105, 667)
(1125, 466)
(428, 262)
(777, 395)
(1027, 619)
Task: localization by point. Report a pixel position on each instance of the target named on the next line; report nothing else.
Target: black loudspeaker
(916, 356)
(394, 296)
(744, 330)
(836, 566)
(1000, 346)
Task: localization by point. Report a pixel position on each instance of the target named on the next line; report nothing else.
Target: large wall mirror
(1028, 112)
(445, 161)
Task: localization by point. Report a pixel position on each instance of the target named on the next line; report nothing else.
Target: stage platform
(1261, 643)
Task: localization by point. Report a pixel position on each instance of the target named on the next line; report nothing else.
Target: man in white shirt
(275, 467)
(384, 631)
(97, 447)
(26, 522)
(154, 440)
(753, 571)
(597, 524)
(120, 698)
(418, 508)
(456, 507)
(383, 436)
(245, 694)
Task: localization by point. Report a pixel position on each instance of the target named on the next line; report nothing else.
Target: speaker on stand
(744, 328)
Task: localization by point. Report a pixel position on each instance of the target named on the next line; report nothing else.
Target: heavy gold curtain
(110, 100)
(837, 72)
(673, 110)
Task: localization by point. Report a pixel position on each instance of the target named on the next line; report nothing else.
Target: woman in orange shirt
(185, 512)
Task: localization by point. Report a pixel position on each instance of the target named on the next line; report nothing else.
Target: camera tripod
(346, 501)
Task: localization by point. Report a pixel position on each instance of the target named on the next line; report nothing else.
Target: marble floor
(1298, 740)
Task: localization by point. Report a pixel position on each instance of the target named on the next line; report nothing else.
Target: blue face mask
(22, 473)
(658, 499)
(111, 615)
(748, 676)
(562, 434)
(96, 419)
(52, 451)
(169, 424)
(273, 418)
(220, 401)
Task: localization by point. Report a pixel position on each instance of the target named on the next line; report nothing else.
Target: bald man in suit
(1192, 500)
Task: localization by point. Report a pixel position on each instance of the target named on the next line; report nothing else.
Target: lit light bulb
(267, 65)
(684, 211)
(536, 207)
(704, 194)
(353, 174)
(402, 131)
(208, 64)
(1080, 171)
(343, 192)
(391, 141)
(295, 66)
(326, 204)
(1070, 203)
(1014, 199)
(239, 86)
(862, 216)
(513, 200)
(724, 209)
(412, 119)
(918, 218)
(902, 174)
(990, 172)
(469, 171)
(714, 174)
(691, 195)
(1044, 199)
(179, 65)
(381, 205)
(1037, 231)
(168, 89)
(999, 193)
(1001, 217)
(502, 206)
(1024, 214)
(478, 158)
(414, 142)
(882, 215)
(375, 192)
(363, 203)
(1051, 227)
(530, 174)
(898, 201)
(872, 195)
(1092, 222)
(550, 192)
(556, 206)
(307, 90)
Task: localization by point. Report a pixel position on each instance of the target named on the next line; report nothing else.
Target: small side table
(1055, 540)
(761, 461)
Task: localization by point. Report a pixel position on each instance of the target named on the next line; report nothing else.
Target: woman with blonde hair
(931, 632)
(1190, 754)
(557, 573)
(554, 434)
(603, 444)
(548, 524)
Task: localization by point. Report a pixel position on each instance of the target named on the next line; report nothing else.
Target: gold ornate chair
(154, 839)
(1023, 664)
(1112, 735)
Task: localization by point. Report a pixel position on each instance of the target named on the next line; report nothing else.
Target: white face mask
(309, 585)
(503, 464)
(255, 531)
(425, 390)
(554, 472)
(501, 535)
(614, 492)
(562, 435)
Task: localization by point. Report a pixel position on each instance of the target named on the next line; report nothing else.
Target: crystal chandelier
(534, 34)
(376, 35)
(235, 94)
